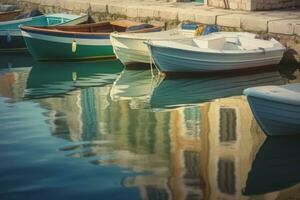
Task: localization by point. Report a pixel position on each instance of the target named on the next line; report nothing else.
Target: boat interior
(232, 43)
(102, 27)
(36, 20)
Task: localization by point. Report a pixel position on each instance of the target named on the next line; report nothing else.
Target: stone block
(49, 2)
(67, 4)
(286, 26)
(186, 15)
(117, 9)
(81, 6)
(297, 30)
(253, 23)
(206, 17)
(144, 12)
(230, 20)
(98, 7)
(132, 11)
(37, 1)
(167, 13)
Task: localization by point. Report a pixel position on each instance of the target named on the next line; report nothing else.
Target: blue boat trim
(63, 34)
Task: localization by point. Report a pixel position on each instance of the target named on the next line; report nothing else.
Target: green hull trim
(43, 50)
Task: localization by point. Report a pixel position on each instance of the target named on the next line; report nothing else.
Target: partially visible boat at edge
(216, 52)
(276, 108)
(11, 38)
(88, 41)
(8, 12)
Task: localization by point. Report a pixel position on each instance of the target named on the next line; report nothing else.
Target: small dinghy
(216, 52)
(276, 108)
(131, 50)
(8, 12)
(88, 41)
(11, 38)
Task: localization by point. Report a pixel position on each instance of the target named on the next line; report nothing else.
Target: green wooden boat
(11, 38)
(87, 41)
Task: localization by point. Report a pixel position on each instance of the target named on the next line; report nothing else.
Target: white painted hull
(131, 49)
(276, 109)
(174, 57)
(169, 60)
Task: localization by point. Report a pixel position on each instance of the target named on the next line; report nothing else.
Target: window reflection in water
(227, 125)
(192, 177)
(226, 176)
(192, 118)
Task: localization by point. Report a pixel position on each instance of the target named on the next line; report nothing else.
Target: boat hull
(132, 50)
(43, 47)
(275, 117)
(172, 60)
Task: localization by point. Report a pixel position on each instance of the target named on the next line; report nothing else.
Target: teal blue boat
(11, 38)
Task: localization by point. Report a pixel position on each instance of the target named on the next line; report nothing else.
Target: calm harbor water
(93, 130)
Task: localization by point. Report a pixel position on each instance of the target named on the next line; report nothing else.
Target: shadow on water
(17, 60)
(288, 70)
(275, 167)
(55, 79)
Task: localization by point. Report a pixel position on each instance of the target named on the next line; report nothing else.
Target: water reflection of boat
(54, 79)
(16, 60)
(275, 167)
(177, 92)
(134, 85)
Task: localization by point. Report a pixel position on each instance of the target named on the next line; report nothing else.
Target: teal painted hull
(49, 50)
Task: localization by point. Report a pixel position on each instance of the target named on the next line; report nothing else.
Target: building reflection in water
(203, 151)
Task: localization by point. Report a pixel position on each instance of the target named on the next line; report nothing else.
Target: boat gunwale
(257, 92)
(52, 31)
(219, 52)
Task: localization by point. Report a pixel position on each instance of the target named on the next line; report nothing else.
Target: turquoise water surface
(93, 130)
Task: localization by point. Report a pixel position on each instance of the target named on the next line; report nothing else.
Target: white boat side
(276, 108)
(218, 51)
(130, 47)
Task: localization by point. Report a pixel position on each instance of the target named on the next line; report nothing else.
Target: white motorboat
(216, 52)
(276, 108)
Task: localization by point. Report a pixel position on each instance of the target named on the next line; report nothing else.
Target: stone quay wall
(282, 25)
(252, 5)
